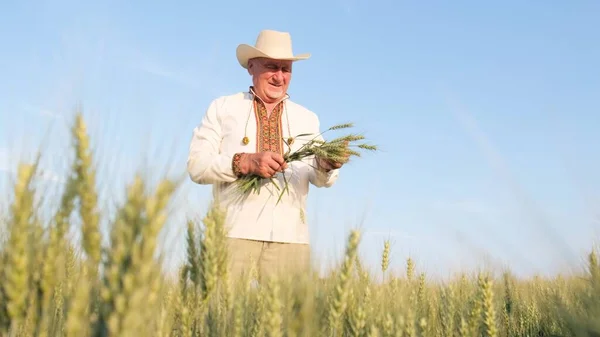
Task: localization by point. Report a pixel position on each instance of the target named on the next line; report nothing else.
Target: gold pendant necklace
(246, 140)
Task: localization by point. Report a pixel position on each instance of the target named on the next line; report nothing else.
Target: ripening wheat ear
(118, 274)
(448, 313)
(338, 303)
(55, 260)
(213, 251)
(132, 278)
(145, 275)
(489, 313)
(193, 255)
(273, 319)
(78, 316)
(86, 190)
(410, 268)
(356, 317)
(385, 257)
(15, 274)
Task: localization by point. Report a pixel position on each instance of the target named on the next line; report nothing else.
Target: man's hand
(263, 164)
(328, 165)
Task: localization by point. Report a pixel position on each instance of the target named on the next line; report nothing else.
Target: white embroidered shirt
(218, 138)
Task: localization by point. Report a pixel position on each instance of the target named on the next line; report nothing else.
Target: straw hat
(270, 44)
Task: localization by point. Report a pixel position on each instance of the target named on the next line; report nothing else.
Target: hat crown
(271, 44)
(274, 43)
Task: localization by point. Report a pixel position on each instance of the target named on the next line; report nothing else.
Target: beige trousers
(269, 258)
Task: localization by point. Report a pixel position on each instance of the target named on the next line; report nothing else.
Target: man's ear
(250, 66)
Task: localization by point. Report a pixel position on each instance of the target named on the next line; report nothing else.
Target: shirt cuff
(235, 164)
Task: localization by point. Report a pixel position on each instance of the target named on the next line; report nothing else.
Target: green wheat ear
(368, 147)
(341, 126)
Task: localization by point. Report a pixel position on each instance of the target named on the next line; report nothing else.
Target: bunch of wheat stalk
(337, 150)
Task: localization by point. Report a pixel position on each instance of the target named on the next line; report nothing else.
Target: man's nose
(279, 74)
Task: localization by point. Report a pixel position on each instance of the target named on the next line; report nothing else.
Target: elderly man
(247, 133)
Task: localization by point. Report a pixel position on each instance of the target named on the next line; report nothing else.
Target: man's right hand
(263, 164)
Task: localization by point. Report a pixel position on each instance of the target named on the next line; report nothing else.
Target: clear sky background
(487, 114)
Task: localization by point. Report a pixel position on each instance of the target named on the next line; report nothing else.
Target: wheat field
(51, 287)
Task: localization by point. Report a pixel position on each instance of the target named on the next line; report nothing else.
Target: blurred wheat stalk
(50, 287)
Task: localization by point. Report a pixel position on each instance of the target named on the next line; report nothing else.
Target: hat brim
(246, 52)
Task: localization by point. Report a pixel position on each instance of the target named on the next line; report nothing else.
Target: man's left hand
(328, 165)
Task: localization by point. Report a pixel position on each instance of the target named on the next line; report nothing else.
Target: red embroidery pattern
(268, 128)
(236, 164)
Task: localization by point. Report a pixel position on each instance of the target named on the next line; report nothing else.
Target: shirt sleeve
(205, 163)
(321, 178)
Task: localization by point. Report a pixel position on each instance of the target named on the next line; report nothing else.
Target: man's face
(270, 78)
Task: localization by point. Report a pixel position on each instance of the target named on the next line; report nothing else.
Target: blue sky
(487, 114)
